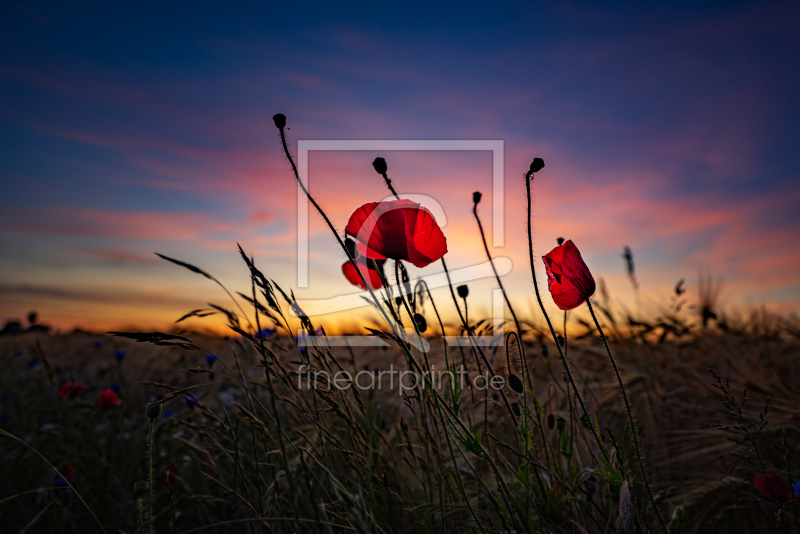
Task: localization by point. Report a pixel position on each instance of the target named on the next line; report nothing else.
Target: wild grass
(380, 467)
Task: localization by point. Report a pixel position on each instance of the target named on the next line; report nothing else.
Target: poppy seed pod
(140, 488)
(476, 197)
(463, 291)
(561, 424)
(516, 410)
(483, 504)
(551, 421)
(516, 383)
(280, 121)
(537, 165)
(421, 323)
(380, 166)
(560, 240)
(153, 410)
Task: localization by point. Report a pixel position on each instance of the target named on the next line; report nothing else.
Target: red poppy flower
(107, 400)
(773, 487)
(398, 229)
(370, 274)
(568, 278)
(69, 390)
(168, 479)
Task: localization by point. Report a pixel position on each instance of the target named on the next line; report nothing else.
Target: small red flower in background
(107, 400)
(168, 479)
(773, 487)
(69, 390)
(398, 229)
(568, 277)
(371, 275)
(68, 475)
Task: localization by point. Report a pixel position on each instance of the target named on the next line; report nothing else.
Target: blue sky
(128, 129)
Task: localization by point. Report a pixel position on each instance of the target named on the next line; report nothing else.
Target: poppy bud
(551, 421)
(153, 410)
(561, 424)
(590, 486)
(380, 166)
(463, 291)
(476, 197)
(545, 351)
(280, 121)
(483, 504)
(585, 421)
(420, 321)
(516, 383)
(398, 301)
(516, 410)
(560, 240)
(140, 488)
(537, 165)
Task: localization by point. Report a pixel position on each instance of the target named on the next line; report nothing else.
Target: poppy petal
(371, 275)
(568, 278)
(773, 487)
(398, 229)
(426, 241)
(381, 227)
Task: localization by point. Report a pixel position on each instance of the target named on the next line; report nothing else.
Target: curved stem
(521, 346)
(636, 443)
(550, 324)
(389, 185)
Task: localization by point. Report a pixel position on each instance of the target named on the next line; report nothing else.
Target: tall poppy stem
(523, 359)
(636, 443)
(550, 324)
(150, 478)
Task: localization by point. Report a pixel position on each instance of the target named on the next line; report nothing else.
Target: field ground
(667, 382)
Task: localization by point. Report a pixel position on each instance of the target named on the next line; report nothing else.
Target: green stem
(636, 443)
(150, 478)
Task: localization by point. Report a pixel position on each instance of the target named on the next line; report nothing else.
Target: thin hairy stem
(550, 324)
(636, 443)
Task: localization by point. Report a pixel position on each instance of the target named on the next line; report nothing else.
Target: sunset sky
(133, 128)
